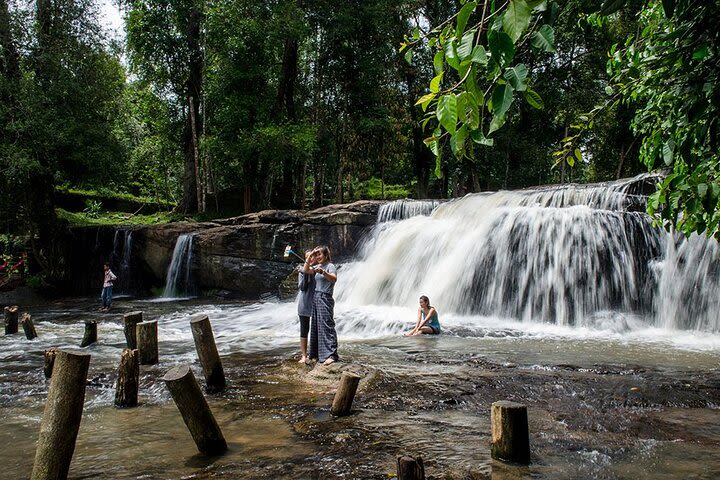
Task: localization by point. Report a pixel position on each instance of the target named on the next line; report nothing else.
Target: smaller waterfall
(120, 260)
(403, 209)
(178, 282)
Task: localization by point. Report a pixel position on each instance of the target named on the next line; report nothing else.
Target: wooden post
(342, 403)
(195, 411)
(147, 341)
(28, 326)
(11, 320)
(126, 394)
(90, 336)
(510, 437)
(50, 361)
(207, 353)
(131, 319)
(409, 468)
(62, 415)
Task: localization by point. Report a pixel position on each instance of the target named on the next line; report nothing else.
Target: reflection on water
(620, 400)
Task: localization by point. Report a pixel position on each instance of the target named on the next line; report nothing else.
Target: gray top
(321, 283)
(306, 290)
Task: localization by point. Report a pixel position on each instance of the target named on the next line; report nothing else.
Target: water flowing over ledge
(567, 255)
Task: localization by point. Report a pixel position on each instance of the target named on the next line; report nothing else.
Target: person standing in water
(427, 319)
(306, 287)
(323, 337)
(106, 294)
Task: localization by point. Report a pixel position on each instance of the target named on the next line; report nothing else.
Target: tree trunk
(9, 58)
(286, 85)
(193, 88)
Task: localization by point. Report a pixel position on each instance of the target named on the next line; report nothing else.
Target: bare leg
(303, 350)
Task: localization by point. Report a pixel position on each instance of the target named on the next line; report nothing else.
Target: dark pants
(106, 296)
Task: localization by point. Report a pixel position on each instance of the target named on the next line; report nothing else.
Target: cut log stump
(131, 319)
(28, 326)
(195, 410)
(61, 417)
(126, 394)
(11, 320)
(207, 353)
(342, 403)
(50, 361)
(409, 468)
(510, 436)
(147, 341)
(90, 335)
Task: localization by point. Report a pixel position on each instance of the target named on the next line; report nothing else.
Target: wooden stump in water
(11, 320)
(28, 326)
(409, 468)
(147, 341)
(195, 411)
(62, 415)
(342, 403)
(90, 336)
(510, 436)
(207, 353)
(126, 394)
(131, 319)
(50, 361)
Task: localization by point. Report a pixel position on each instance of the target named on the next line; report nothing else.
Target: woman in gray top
(323, 338)
(306, 287)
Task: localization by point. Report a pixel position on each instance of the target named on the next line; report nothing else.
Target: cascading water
(120, 260)
(570, 255)
(178, 282)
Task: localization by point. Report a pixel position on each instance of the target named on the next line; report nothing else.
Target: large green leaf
(479, 55)
(465, 49)
(496, 123)
(435, 83)
(544, 39)
(516, 19)
(438, 62)
(535, 100)
(668, 152)
(447, 112)
(463, 16)
(502, 98)
(451, 54)
(457, 142)
(502, 48)
(517, 77)
(478, 137)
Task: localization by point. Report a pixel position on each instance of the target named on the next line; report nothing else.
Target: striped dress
(323, 337)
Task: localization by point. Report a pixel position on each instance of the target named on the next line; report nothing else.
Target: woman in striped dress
(323, 337)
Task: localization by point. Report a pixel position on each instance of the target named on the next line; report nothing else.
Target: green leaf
(517, 77)
(496, 123)
(668, 152)
(463, 16)
(435, 83)
(701, 53)
(534, 99)
(425, 100)
(516, 19)
(451, 54)
(438, 163)
(502, 48)
(473, 111)
(537, 5)
(438, 62)
(578, 155)
(457, 142)
(502, 98)
(447, 112)
(479, 55)
(544, 39)
(478, 137)
(461, 107)
(409, 55)
(465, 49)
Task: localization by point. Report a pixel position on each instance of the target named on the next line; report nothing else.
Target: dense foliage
(228, 107)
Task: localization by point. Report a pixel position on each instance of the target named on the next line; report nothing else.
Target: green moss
(80, 219)
(101, 193)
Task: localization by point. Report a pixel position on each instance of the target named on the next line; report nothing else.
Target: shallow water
(610, 402)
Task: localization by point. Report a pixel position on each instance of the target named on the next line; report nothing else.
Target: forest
(212, 108)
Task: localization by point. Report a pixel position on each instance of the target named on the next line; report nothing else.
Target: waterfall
(403, 209)
(568, 255)
(178, 281)
(120, 260)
